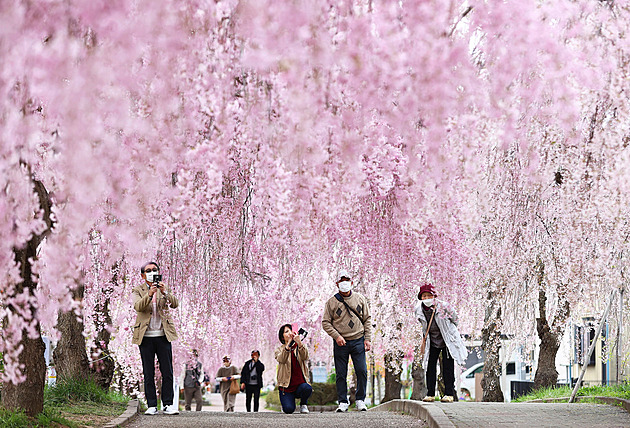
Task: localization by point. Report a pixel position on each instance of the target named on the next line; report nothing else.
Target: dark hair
(281, 332)
(147, 264)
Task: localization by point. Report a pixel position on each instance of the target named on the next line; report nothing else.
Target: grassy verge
(619, 391)
(74, 404)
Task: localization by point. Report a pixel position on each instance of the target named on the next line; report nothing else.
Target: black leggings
(449, 371)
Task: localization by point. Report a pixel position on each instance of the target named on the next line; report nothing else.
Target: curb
(320, 408)
(430, 413)
(130, 413)
(608, 400)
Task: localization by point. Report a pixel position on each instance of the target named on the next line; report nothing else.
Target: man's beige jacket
(143, 307)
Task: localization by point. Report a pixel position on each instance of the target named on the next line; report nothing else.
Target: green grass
(619, 391)
(79, 390)
(48, 418)
(71, 404)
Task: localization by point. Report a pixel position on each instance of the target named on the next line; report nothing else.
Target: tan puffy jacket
(284, 364)
(143, 307)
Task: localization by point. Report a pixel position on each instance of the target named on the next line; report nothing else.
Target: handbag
(234, 388)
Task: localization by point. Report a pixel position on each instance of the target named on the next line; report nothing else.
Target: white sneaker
(361, 407)
(151, 411)
(343, 407)
(303, 408)
(171, 410)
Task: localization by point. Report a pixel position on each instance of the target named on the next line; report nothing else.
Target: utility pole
(619, 335)
(592, 348)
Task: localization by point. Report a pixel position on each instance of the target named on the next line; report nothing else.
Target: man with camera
(348, 321)
(153, 332)
(193, 376)
(251, 380)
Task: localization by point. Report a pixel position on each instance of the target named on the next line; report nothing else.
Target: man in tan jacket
(348, 321)
(153, 332)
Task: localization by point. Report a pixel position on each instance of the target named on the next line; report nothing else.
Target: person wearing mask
(225, 375)
(193, 377)
(348, 321)
(440, 336)
(153, 332)
(251, 380)
(292, 357)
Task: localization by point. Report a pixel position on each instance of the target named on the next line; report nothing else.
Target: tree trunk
(71, 358)
(28, 395)
(104, 365)
(419, 390)
(550, 335)
(491, 343)
(393, 369)
(71, 361)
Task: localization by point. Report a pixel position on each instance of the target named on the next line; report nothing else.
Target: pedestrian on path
(440, 336)
(153, 332)
(227, 375)
(292, 357)
(348, 321)
(193, 376)
(252, 380)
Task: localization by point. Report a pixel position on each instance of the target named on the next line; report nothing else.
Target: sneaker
(151, 411)
(343, 407)
(429, 399)
(361, 407)
(447, 399)
(303, 408)
(171, 410)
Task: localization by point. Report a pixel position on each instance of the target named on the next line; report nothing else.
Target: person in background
(292, 357)
(348, 321)
(225, 376)
(153, 332)
(439, 327)
(193, 376)
(251, 380)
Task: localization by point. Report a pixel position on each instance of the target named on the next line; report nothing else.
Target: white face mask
(150, 276)
(345, 286)
(428, 302)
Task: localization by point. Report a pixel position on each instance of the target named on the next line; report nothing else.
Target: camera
(302, 333)
(157, 279)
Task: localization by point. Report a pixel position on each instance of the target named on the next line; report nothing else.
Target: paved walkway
(278, 420)
(530, 415)
(216, 404)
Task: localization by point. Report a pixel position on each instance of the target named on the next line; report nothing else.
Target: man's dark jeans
(356, 349)
(449, 371)
(287, 399)
(149, 348)
(249, 391)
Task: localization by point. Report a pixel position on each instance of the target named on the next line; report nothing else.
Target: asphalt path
(278, 420)
(530, 415)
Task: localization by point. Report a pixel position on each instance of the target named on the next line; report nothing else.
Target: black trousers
(149, 348)
(252, 390)
(449, 371)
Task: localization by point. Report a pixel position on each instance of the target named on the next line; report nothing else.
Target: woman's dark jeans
(287, 399)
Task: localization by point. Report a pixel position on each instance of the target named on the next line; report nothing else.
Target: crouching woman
(292, 357)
